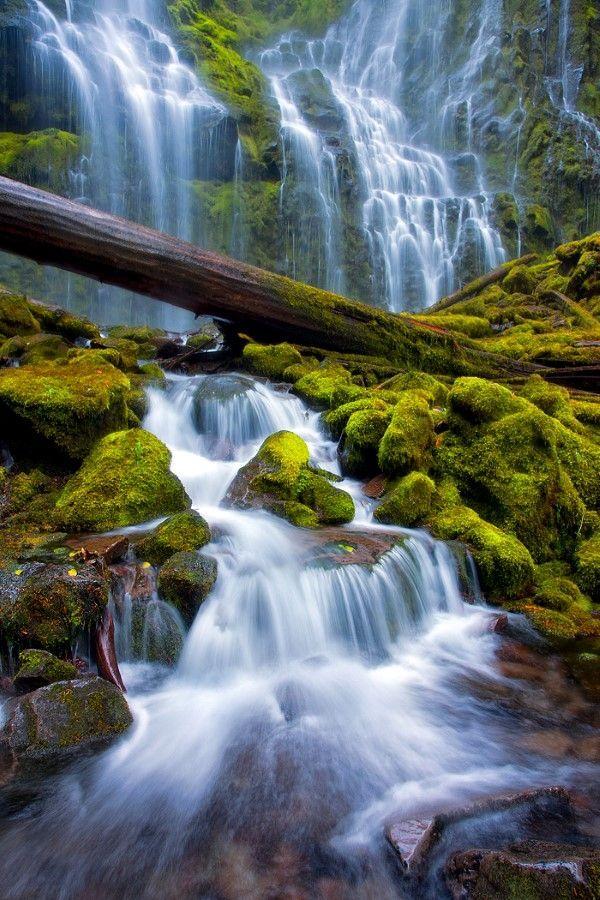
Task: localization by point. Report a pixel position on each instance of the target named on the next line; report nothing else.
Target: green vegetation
(184, 531)
(38, 667)
(408, 502)
(41, 157)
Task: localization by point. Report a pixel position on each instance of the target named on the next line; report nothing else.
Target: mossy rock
(551, 399)
(15, 315)
(410, 437)
(186, 531)
(280, 479)
(504, 564)
(62, 406)
(420, 381)
(270, 361)
(51, 604)
(336, 420)
(125, 480)
(327, 387)
(59, 321)
(359, 444)
(558, 628)
(519, 281)
(587, 561)
(143, 336)
(51, 725)
(38, 668)
(185, 581)
(41, 348)
(478, 400)
(409, 501)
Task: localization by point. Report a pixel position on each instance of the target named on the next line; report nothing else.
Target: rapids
(308, 705)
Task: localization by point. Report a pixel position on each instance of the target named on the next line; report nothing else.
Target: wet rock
(185, 531)
(51, 725)
(407, 836)
(38, 668)
(109, 548)
(336, 547)
(50, 604)
(185, 581)
(528, 869)
(138, 580)
(376, 487)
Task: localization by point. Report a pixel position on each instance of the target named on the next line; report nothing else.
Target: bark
(106, 656)
(54, 231)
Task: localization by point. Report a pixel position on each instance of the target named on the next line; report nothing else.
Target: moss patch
(186, 531)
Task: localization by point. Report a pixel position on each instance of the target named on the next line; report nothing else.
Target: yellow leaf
(146, 565)
(72, 572)
(18, 571)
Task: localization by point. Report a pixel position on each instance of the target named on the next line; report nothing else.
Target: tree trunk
(59, 232)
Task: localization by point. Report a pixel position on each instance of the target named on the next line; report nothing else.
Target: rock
(185, 580)
(333, 547)
(420, 844)
(185, 531)
(528, 869)
(280, 479)
(15, 315)
(62, 407)
(376, 487)
(38, 668)
(359, 443)
(270, 361)
(499, 624)
(109, 548)
(51, 725)
(50, 604)
(136, 579)
(409, 437)
(587, 561)
(55, 320)
(408, 503)
(125, 480)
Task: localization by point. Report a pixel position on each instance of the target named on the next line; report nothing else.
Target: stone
(109, 548)
(184, 531)
(185, 580)
(38, 668)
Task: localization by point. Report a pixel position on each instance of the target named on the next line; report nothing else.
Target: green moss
(38, 667)
(409, 501)
(561, 594)
(471, 326)
(360, 440)
(42, 158)
(478, 400)
(55, 320)
(335, 420)
(326, 387)
(587, 560)
(415, 380)
(186, 531)
(15, 315)
(142, 335)
(185, 580)
(270, 361)
(125, 480)
(504, 565)
(409, 438)
(519, 281)
(280, 479)
(550, 398)
(40, 348)
(66, 405)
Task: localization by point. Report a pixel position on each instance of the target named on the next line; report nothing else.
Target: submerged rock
(38, 668)
(280, 479)
(528, 869)
(125, 480)
(185, 580)
(184, 531)
(51, 725)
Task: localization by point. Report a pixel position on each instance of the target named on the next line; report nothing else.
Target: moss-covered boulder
(186, 531)
(146, 339)
(478, 400)
(185, 581)
(587, 560)
(62, 407)
(52, 725)
(359, 443)
(55, 320)
(336, 419)
(504, 564)
(16, 317)
(420, 381)
(327, 387)
(280, 479)
(271, 361)
(409, 501)
(49, 605)
(38, 668)
(125, 480)
(410, 437)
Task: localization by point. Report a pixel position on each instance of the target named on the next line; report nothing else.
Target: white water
(419, 225)
(309, 704)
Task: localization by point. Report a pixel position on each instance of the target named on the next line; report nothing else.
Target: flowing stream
(311, 701)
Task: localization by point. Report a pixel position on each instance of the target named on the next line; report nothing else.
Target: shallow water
(310, 703)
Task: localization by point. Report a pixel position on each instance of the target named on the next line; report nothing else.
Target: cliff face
(503, 93)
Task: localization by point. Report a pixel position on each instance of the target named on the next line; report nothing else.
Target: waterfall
(310, 702)
(109, 72)
(350, 112)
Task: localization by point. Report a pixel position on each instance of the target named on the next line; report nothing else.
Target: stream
(311, 702)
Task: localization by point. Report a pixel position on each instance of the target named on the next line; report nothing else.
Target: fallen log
(58, 232)
(479, 284)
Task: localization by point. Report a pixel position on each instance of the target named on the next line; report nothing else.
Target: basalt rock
(185, 531)
(185, 580)
(38, 668)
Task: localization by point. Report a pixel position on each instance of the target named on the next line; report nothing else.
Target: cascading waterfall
(310, 702)
(347, 104)
(111, 74)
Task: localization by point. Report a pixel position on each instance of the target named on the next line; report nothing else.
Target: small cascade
(348, 115)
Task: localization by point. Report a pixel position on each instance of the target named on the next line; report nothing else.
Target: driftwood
(480, 283)
(106, 656)
(54, 231)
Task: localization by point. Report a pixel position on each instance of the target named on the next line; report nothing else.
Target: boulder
(271, 360)
(280, 479)
(185, 581)
(125, 480)
(528, 869)
(359, 443)
(184, 531)
(38, 668)
(410, 436)
(408, 503)
(53, 724)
